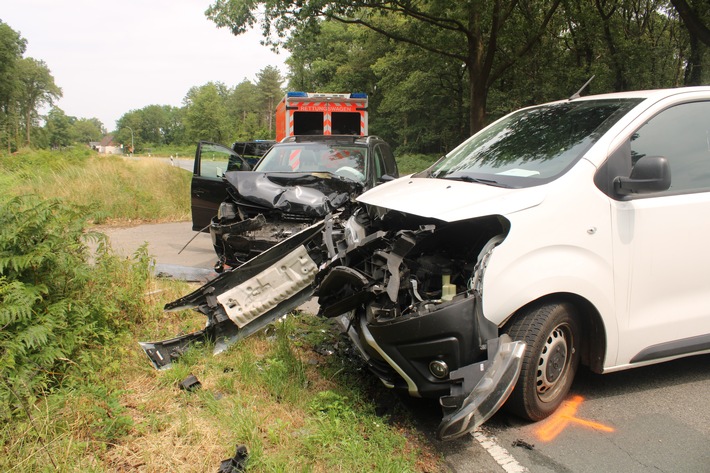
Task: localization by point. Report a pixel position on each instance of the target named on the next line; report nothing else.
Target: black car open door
(208, 186)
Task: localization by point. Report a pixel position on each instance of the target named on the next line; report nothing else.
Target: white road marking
(499, 454)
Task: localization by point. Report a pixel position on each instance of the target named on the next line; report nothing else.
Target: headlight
(227, 211)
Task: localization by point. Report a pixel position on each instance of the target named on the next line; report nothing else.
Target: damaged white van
(563, 233)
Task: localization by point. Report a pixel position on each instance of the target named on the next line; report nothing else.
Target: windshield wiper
(477, 180)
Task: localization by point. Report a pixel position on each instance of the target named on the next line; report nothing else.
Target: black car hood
(312, 194)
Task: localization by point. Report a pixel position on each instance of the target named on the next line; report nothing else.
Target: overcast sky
(113, 56)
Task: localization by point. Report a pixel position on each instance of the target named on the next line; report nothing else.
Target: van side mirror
(650, 174)
(386, 178)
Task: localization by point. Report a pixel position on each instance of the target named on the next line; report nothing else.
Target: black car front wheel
(551, 333)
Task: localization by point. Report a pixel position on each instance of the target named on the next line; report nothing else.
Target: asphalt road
(651, 419)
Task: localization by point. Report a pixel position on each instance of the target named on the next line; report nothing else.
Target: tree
(696, 18)
(12, 47)
(206, 114)
(269, 91)
(86, 130)
(246, 119)
(468, 32)
(59, 128)
(128, 130)
(37, 88)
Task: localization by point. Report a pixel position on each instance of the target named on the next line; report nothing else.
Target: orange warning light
(564, 416)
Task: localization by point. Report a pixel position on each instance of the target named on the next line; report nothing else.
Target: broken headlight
(227, 211)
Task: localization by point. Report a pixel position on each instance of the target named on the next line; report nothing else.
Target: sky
(113, 56)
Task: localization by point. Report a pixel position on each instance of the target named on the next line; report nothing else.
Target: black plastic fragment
(237, 463)
(190, 383)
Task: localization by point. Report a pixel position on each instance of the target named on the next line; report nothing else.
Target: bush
(411, 163)
(53, 302)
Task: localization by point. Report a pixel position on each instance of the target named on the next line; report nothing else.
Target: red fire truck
(312, 113)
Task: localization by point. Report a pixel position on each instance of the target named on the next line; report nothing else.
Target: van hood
(451, 200)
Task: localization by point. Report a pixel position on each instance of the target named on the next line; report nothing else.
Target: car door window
(390, 163)
(379, 163)
(681, 134)
(215, 160)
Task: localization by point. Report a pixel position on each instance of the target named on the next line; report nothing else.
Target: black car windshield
(532, 146)
(345, 160)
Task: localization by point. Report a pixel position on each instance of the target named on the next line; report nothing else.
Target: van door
(661, 256)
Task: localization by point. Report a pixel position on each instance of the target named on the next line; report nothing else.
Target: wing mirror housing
(650, 174)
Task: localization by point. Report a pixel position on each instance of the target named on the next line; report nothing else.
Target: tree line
(214, 112)
(435, 71)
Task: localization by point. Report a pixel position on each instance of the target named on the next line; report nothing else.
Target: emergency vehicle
(312, 113)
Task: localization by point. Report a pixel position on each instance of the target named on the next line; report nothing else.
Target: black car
(212, 161)
(295, 184)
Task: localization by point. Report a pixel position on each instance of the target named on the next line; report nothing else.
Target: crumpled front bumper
(476, 391)
(480, 389)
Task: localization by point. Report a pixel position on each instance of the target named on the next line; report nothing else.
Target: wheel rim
(554, 364)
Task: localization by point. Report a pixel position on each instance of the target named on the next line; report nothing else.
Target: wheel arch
(593, 340)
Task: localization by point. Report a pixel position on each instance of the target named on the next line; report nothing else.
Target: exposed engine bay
(406, 289)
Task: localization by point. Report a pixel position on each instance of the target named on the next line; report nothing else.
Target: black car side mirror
(386, 178)
(650, 174)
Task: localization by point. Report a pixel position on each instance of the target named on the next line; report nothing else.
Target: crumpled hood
(451, 200)
(312, 194)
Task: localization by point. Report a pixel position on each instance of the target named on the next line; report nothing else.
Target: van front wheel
(551, 334)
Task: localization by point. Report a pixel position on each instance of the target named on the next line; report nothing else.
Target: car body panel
(241, 302)
(450, 200)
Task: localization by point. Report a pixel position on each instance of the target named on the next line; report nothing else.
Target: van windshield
(532, 146)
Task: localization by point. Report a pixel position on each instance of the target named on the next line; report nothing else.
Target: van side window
(681, 134)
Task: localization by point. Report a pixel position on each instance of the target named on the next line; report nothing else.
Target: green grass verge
(106, 187)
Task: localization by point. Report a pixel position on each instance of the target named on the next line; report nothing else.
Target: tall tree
(37, 88)
(59, 128)
(269, 90)
(467, 31)
(246, 119)
(12, 47)
(206, 114)
(695, 15)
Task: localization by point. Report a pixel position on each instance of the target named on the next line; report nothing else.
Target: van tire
(552, 337)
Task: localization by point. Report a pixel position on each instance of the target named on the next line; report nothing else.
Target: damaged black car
(297, 183)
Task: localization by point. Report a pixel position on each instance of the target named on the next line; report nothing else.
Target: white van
(563, 233)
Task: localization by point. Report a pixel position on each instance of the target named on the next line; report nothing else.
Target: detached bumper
(480, 389)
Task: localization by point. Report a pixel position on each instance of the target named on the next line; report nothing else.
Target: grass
(104, 408)
(294, 409)
(111, 188)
